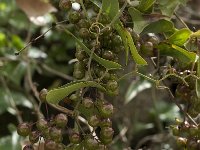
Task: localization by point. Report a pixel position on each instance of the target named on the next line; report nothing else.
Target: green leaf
(18, 97)
(10, 142)
(106, 63)
(56, 95)
(136, 87)
(180, 37)
(183, 55)
(111, 7)
(168, 7)
(145, 5)
(160, 26)
(129, 45)
(138, 20)
(197, 80)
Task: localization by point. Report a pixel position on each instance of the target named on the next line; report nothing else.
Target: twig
(177, 16)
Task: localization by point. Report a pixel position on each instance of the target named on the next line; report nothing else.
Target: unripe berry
(74, 17)
(87, 102)
(108, 55)
(75, 138)
(107, 132)
(50, 145)
(112, 85)
(106, 110)
(91, 144)
(61, 120)
(23, 129)
(42, 95)
(42, 124)
(28, 147)
(93, 121)
(34, 137)
(55, 133)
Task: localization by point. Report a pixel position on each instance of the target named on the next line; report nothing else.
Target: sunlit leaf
(160, 26)
(180, 37)
(10, 142)
(56, 95)
(177, 52)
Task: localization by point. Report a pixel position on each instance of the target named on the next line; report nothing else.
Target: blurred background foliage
(143, 113)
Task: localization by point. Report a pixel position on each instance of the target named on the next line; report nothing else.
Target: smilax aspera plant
(110, 35)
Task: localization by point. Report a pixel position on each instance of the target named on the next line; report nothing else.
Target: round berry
(87, 102)
(65, 4)
(42, 124)
(107, 132)
(80, 55)
(55, 133)
(75, 138)
(108, 55)
(50, 145)
(79, 74)
(106, 110)
(42, 95)
(106, 122)
(112, 85)
(34, 137)
(23, 129)
(61, 120)
(84, 33)
(28, 147)
(93, 121)
(74, 17)
(84, 23)
(116, 40)
(91, 144)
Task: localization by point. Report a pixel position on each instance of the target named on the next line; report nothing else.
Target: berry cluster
(187, 135)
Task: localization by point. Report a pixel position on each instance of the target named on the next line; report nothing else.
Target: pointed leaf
(180, 37)
(111, 7)
(56, 95)
(139, 21)
(129, 45)
(160, 26)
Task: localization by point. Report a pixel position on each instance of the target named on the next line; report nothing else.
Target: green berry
(87, 103)
(84, 33)
(94, 121)
(74, 17)
(55, 133)
(108, 55)
(106, 122)
(112, 85)
(61, 120)
(42, 95)
(42, 124)
(84, 23)
(50, 145)
(28, 147)
(107, 132)
(91, 144)
(106, 110)
(23, 129)
(65, 4)
(74, 138)
(34, 137)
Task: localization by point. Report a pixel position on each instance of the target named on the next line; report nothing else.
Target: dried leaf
(36, 9)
